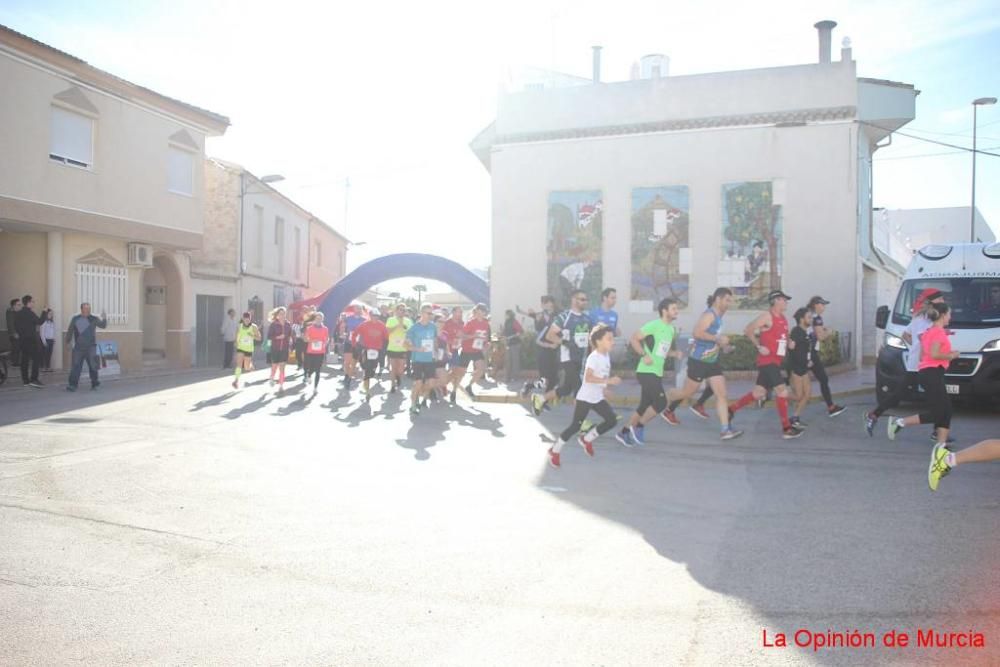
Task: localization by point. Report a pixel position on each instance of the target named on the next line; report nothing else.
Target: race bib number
(782, 347)
(664, 349)
(371, 354)
(563, 353)
(478, 344)
(246, 341)
(427, 345)
(315, 346)
(580, 339)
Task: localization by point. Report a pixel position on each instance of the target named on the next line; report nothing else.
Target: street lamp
(982, 101)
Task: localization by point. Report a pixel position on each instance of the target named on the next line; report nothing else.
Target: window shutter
(180, 171)
(72, 137)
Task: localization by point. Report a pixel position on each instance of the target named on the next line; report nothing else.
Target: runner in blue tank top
(606, 313)
(703, 363)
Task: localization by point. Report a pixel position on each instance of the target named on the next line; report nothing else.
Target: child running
(317, 337)
(799, 346)
(246, 335)
(935, 356)
(279, 332)
(596, 377)
(943, 460)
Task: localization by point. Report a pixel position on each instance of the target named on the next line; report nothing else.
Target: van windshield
(974, 302)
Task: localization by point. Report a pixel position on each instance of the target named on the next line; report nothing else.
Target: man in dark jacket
(15, 347)
(83, 334)
(26, 325)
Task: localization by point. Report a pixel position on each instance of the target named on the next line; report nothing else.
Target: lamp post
(976, 103)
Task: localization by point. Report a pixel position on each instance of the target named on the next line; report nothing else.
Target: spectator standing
(26, 324)
(82, 334)
(48, 336)
(512, 331)
(15, 345)
(228, 331)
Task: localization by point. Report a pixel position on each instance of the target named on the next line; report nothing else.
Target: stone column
(55, 293)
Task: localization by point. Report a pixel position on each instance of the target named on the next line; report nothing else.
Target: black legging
(819, 372)
(938, 408)
(652, 394)
(580, 412)
(548, 367)
(571, 379)
(892, 399)
(314, 364)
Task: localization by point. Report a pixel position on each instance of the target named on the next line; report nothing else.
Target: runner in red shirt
(475, 341)
(367, 339)
(770, 332)
(317, 337)
(451, 330)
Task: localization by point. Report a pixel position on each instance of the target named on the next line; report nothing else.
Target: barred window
(105, 288)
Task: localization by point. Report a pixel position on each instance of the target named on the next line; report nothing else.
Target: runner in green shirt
(397, 325)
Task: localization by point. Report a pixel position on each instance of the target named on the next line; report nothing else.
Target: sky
(389, 94)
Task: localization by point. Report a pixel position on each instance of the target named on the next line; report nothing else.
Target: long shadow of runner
(298, 405)
(251, 407)
(209, 402)
(425, 432)
(802, 533)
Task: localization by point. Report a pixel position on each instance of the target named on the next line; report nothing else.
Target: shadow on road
(212, 402)
(253, 406)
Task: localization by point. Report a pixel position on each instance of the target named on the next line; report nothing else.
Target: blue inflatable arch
(432, 267)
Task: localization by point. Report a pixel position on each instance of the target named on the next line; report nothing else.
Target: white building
(675, 185)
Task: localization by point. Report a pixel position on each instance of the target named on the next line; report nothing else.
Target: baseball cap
(818, 299)
(777, 294)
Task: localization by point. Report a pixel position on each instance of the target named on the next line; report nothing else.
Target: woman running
(596, 377)
(246, 334)
(317, 338)
(935, 355)
(279, 332)
(799, 346)
(943, 461)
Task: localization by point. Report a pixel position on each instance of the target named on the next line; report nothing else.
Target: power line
(930, 141)
(953, 134)
(907, 157)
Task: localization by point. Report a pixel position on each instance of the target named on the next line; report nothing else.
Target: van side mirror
(881, 317)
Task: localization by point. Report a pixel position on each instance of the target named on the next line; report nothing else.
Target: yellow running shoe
(939, 466)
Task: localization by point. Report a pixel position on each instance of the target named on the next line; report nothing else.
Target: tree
(752, 217)
(420, 289)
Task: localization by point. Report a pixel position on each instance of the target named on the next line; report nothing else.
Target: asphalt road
(155, 522)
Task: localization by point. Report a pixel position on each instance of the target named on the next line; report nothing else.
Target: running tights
(580, 412)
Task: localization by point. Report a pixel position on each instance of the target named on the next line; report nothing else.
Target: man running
(769, 331)
(943, 461)
(367, 341)
(652, 343)
(546, 353)
(351, 322)
(396, 351)
(421, 341)
(817, 334)
(570, 330)
(703, 364)
(475, 339)
(605, 313)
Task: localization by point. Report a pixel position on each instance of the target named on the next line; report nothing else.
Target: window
(180, 171)
(298, 253)
(72, 138)
(279, 296)
(319, 254)
(279, 241)
(258, 212)
(105, 288)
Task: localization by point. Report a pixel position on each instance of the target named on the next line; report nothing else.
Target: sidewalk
(854, 382)
(58, 379)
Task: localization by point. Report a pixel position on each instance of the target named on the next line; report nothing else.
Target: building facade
(672, 186)
(101, 197)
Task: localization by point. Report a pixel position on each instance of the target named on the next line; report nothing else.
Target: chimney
(846, 53)
(597, 63)
(825, 28)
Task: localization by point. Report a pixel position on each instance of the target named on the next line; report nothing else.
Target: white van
(969, 276)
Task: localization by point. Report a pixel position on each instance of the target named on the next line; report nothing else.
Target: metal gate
(208, 335)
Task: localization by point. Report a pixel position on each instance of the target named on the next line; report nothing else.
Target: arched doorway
(166, 326)
(404, 265)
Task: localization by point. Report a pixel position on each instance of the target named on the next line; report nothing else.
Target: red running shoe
(669, 417)
(587, 445)
(553, 458)
(699, 410)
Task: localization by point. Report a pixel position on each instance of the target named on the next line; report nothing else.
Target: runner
(396, 350)
(606, 314)
(367, 341)
(475, 340)
(546, 353)
(317, 338)
(652, 343)
(591, 396)
(570, 330)
(703, 365)
(452, 331)
(351, 322)
(943, 460)
(772, 342)
(817, 334)
(279, 332)
(246, 334)
(935, 355)
(800, 348)
(421, 341)
(299, 344)
(441, 356)
(919, 323)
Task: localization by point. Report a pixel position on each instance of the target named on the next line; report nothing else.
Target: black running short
(396, 355)
(467, 357)
(699, 370)
(770, 376)
(424, 370)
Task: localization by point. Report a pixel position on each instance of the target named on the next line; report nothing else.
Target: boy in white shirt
(596, 377)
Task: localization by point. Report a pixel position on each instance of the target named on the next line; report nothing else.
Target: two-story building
(101, 195)
(670, 186)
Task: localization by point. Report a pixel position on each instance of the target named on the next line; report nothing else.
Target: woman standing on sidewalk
(279, 332)
(48, 334)
(246, 335)
(317, 338)
(935, 355)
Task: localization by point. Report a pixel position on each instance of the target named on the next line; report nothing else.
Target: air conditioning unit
(140, 254)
